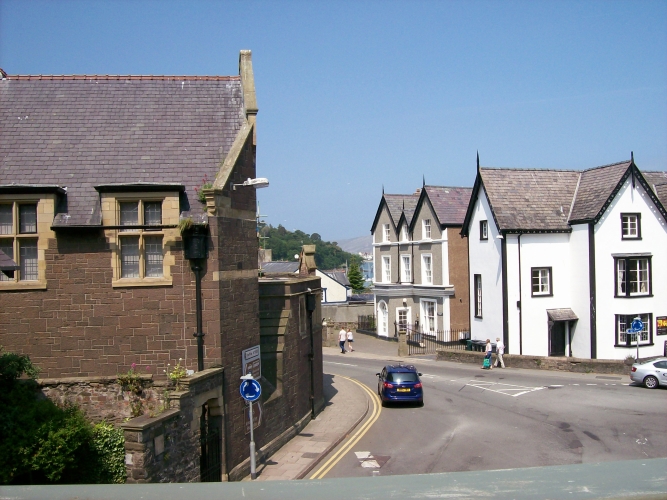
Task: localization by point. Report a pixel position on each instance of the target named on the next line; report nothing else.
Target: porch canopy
(565, 314)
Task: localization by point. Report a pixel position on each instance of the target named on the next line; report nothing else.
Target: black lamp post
(196, 250)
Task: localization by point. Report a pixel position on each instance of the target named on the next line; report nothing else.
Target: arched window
(383, 319)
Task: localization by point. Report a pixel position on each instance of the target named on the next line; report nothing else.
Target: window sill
(542, 295)
(633, 346)
(631, 238)
(23, 285)
(637, 296)
(139, 282)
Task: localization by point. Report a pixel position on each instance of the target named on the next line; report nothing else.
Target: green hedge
(42, 443)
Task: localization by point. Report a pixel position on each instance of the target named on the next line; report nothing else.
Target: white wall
(607, 243)
(335, 292)
(485, 259)
(580, 291)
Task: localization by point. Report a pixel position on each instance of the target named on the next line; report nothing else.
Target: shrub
(109, 444)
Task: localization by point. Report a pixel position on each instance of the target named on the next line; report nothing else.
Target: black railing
(425, 342)
(366, 323)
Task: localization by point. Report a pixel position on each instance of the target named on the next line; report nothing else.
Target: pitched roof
(449, 203)
(82, 131)
(7, 263)
(595, 188)
(396, 203)
(658, 182)
(540, 200)
(338, 276)
(530, 199)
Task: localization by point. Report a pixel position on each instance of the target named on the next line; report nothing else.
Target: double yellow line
(377, 409)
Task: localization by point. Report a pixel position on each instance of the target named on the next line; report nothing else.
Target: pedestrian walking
(487, 358)
(342, 337)
(500, 350)
(350, 339)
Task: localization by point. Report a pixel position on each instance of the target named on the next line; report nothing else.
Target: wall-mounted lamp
(257, 183)
(405, 302)
(500, 237)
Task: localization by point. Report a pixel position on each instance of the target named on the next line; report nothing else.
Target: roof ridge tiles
(531, 169)
(124, 77)
(608, 165)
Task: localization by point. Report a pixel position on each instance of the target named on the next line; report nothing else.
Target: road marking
(591, 384)
(556, 385)
(377, 409)
(506, 389)
(334, 363)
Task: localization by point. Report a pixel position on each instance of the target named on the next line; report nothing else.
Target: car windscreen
(400, 377)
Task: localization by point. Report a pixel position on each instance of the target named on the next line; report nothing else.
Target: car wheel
(650, 382)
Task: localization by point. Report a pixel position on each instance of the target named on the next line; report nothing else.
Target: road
(477, 419)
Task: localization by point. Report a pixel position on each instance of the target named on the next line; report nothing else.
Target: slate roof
(658, 181)
(6, 263)
(530, 199)
(280, 267)
(595, 188)
(397, 202)
(338, 276)
(82, 131)
(450, 203)
(552, 200)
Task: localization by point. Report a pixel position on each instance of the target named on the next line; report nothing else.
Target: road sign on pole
(251, 391)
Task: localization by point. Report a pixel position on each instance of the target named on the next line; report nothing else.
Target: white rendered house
(562, 261)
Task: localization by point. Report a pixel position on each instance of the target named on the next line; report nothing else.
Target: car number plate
(402, 390)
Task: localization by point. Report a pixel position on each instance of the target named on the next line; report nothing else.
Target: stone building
(102, 180)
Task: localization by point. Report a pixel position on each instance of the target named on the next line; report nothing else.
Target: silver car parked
(650, 373)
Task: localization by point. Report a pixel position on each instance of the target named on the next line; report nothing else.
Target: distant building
(421, 261)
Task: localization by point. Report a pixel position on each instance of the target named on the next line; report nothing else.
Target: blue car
(400, 383)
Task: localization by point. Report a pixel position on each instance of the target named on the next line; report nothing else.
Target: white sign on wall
(251, 362)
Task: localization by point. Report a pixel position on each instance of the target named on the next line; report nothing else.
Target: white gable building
(562, 261)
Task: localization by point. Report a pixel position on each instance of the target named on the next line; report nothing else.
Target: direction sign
(251, 362)
(250, 390)
(637, 325)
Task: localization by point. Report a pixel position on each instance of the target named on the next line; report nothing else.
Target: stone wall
(575, 365)
(166, 448)
(103, 398)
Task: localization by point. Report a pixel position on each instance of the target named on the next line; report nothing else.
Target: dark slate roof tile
(530, 199)
(595, 188)
(450, 203)
(397, 203)
(80, 131)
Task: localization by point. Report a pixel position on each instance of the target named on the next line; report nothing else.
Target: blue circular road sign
(637, 325)
(251, 390)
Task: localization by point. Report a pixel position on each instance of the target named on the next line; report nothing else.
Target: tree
(355, 277)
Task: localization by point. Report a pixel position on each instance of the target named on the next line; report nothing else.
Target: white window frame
(404, 233)
(477, 287)
(386, 269)
(386, 233)
(403, 326)
(623, 322)
(406, 268)
(484, 230)
(427, 270)
(426, 229)
(383, 319)
(540, 282)
(631, 226)
(429, 323)
(627, 268)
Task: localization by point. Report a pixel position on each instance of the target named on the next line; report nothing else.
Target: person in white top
(350, 339)
(500, 350)
(342, 337)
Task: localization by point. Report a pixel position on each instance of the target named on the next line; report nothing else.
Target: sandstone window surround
(25, 229)
(141, 255)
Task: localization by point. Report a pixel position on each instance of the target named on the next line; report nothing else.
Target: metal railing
(366, 323)
(425, 342)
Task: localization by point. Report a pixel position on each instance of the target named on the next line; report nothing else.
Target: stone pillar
(402, 344)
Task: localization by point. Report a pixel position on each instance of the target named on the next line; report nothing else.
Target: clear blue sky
(357, 95)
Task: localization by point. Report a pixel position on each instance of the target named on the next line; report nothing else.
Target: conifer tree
(355, 277)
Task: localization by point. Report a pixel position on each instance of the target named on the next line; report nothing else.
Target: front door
(557, 339)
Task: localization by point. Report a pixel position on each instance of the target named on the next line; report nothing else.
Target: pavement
(346, 406)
